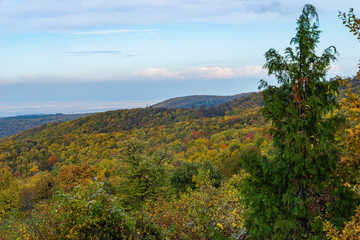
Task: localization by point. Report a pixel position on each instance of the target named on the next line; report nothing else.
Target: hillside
(157, 172)
(12, 125)
(197, 101)
(100, 136)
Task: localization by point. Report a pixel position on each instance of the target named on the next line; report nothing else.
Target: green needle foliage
(288, 197)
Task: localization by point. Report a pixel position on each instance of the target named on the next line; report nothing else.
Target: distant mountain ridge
(12, 125)
(137, 118)
(197, 101)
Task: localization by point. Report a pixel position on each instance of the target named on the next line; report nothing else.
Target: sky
(93, 55)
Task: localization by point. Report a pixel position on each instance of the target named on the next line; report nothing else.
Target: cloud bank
(203, 73)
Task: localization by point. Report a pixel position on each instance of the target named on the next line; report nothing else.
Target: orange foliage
(53, 160)
(196, 134)
(223, 146)
(73, 175)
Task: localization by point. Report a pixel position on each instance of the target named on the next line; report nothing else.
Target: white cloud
(334, 70)
(213, 72)
(251, 71)
(205, 73)
(149, 74)
(157, 73)
(101, 52)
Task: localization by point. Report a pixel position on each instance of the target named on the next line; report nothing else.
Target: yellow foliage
(33, 170)
(195, 213)
(101, 176)
(73, 175)
(351, 230)
(9, 190)
(350, 160)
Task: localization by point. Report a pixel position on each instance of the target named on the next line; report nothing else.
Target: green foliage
(182, 178)
(350, 141)
(12, 125)
(84, 213)
(289, 195)
(177, 173)
(351, 106)
(145, 176)
(197, 101)
(351, 21)
(134, 152)
(204, 213)
(37, 188)
(351, 229)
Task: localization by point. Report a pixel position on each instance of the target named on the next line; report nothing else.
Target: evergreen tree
(288, 197)
(146, 175)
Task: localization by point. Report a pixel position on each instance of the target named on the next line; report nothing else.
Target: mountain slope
(130, 119)
(12, 125)
(197, 101)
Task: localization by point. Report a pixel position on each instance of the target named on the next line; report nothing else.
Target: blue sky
(150, 50)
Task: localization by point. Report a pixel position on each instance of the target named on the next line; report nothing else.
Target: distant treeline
(12, 125)
(198, 101)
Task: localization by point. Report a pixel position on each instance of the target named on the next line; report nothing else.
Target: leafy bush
(204, 213)
(84, 213)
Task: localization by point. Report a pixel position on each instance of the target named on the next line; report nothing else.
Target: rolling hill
(197, 101)
(12, 125)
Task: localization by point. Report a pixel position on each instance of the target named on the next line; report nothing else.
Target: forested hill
(181, 165)
(130, 119)
(138, 155)
(197, 101)
(12, 125)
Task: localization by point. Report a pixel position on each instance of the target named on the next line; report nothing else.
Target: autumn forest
(282, 163)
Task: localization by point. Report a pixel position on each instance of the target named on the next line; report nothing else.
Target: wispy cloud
(122, 54)
(113, 31)
(272, 7)
(83, 53)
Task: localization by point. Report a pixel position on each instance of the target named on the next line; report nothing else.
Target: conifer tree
(289, 196)
(146, 175)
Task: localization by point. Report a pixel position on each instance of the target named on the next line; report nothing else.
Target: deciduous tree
(9, 190)
(349, 164)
